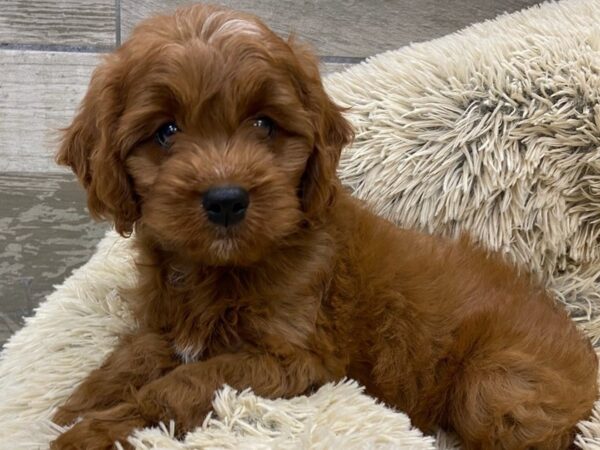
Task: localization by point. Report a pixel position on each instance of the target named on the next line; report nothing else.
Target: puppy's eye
(164, 133)
(265, 124)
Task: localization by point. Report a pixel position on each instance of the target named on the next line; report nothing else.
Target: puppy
(214, 139)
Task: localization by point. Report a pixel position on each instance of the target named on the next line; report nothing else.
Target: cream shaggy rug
(495, 129)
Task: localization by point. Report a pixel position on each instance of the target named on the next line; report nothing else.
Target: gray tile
(328, 68)
(45, 232)
(39, 91)
(63, 22)
(9, 324)
(357, 28)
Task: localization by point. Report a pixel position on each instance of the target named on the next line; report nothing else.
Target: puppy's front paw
(86, 436)
(161, 402)
(101, 430)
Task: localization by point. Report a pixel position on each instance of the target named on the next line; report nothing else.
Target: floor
(48, 49)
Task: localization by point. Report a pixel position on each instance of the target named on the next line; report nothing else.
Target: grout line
(342, 59)
(49, 174)
(118, 21)
(105, 48)
(57, 48)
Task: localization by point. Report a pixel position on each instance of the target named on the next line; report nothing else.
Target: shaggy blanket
(494, 130)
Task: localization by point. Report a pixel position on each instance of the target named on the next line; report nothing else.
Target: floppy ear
(320, 181)
(90, 148)
(332, 133)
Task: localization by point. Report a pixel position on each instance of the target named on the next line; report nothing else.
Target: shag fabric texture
(494, 130)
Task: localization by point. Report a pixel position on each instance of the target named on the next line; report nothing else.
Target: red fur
(311, 287)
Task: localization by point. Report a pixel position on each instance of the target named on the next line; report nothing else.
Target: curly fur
(311, 287)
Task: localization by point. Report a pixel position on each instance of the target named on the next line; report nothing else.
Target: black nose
(225, 205)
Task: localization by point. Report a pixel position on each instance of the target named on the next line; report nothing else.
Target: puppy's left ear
(333, 132)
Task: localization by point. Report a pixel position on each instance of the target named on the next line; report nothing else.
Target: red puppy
(214, 139)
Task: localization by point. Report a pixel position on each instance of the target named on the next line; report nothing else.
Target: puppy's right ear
(90, 148)
(75, 146)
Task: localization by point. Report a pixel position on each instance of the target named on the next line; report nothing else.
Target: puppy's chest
(203, 329)
(217, 329)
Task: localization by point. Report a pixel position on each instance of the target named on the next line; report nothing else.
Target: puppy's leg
(138, 359)
(502, 409)
(185, 394)
(99, 430)
(511, 396)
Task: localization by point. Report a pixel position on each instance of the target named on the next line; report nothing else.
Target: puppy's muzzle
(226, 205)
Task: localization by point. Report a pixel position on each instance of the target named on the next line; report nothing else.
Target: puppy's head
(210, 133)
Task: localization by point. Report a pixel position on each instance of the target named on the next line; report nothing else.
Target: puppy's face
(211, 134)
